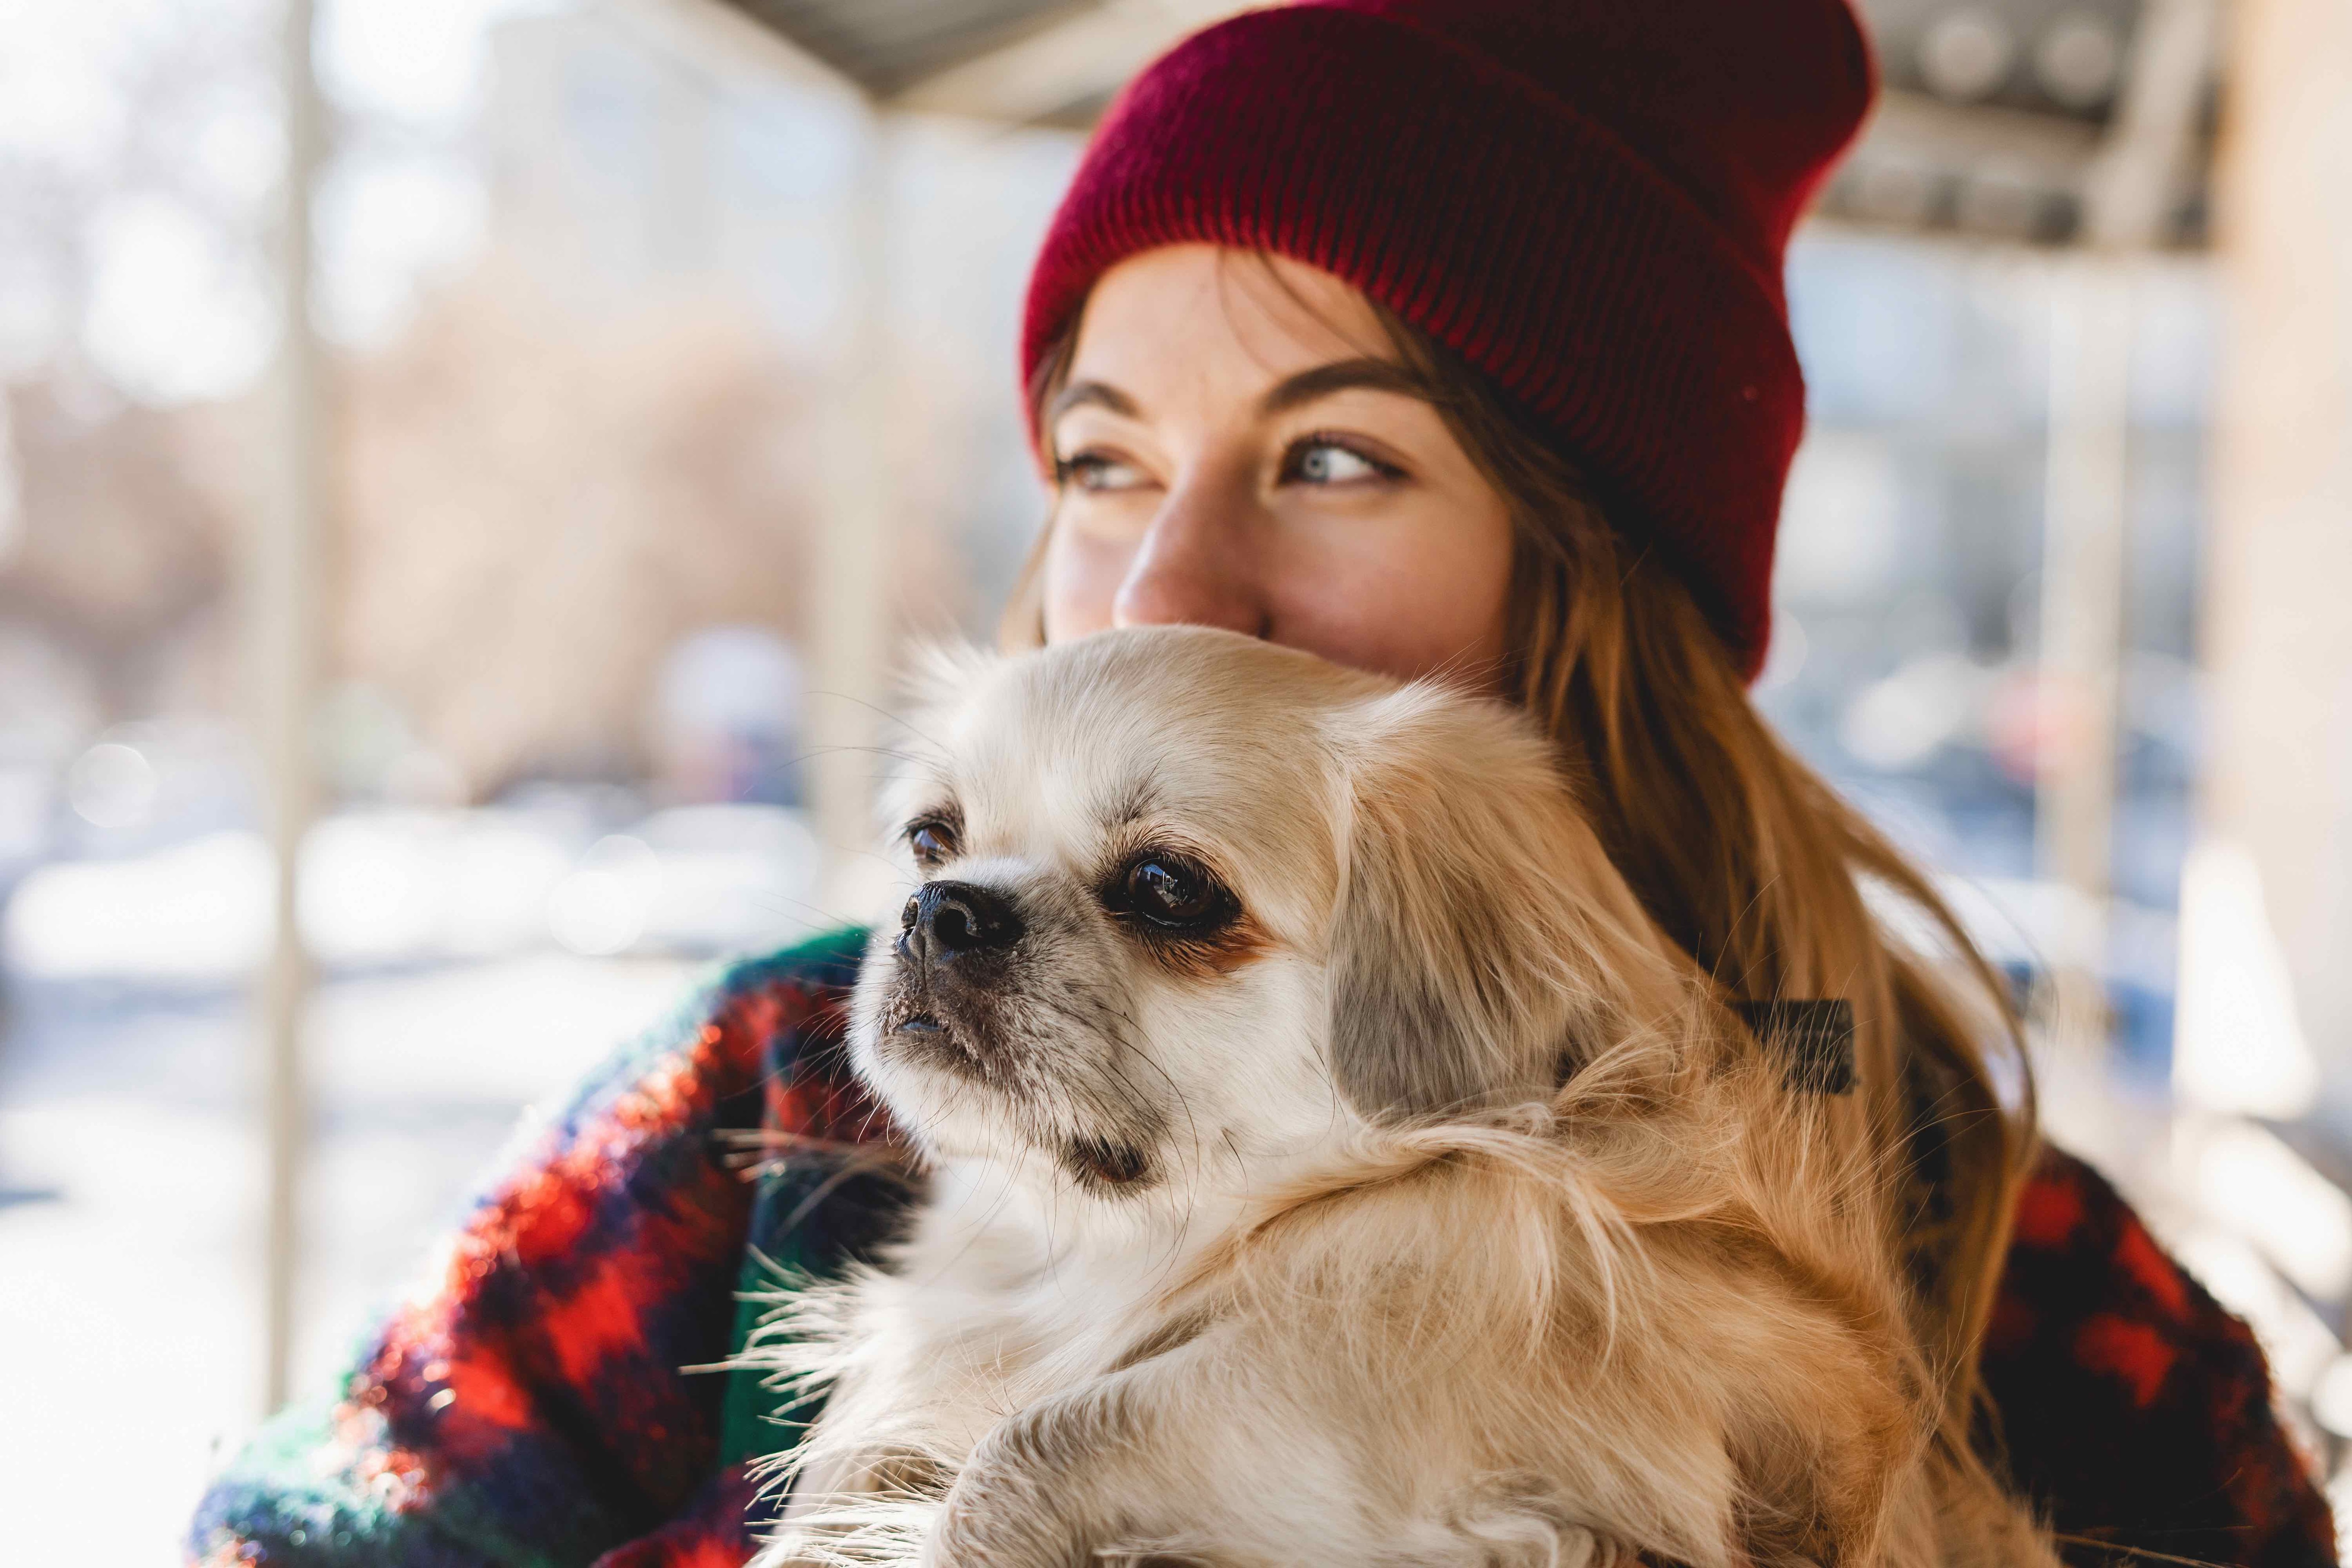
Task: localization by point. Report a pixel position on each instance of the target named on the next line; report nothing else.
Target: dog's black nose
(945, 921)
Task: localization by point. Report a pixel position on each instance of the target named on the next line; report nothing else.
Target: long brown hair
(1743, 855)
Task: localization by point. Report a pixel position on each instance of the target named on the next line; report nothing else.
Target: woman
(1430, 337)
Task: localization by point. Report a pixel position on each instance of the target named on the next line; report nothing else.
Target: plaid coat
(547, 1397)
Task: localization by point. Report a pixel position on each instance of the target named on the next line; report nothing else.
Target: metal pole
(2084, 520)
(2084, 523)
(2127, 194)
(850, 629)
(2274, 636)
(283, 591)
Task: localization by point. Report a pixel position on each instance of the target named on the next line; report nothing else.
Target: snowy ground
(478, 962)
(129, 1170)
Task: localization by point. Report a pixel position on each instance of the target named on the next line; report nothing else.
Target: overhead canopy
(886, 45)
(2044, 120)
(2047, 122)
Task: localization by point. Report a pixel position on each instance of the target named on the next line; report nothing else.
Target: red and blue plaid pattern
(2133, 1407)
(537, 1403)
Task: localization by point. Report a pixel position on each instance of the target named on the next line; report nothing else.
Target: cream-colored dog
(1329, 1163)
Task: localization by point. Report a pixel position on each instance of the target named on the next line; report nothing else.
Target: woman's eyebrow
(1345, 375)
(1101, 394)
(1365, 374)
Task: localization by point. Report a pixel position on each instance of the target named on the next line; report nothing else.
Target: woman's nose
(1196, 566)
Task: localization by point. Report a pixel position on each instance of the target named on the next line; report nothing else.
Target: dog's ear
(1477, 923)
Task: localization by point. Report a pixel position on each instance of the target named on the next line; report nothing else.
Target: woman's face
(1242, 447)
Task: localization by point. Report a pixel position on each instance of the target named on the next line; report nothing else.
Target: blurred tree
(539, 503)
(120, 559)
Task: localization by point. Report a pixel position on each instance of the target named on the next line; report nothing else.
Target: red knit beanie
(1588, 200)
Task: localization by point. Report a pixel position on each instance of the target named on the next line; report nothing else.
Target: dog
(1326, 1160)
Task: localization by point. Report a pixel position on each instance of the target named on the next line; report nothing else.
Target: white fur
(1560, 1275)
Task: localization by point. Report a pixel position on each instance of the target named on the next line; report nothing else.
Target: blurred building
(621, 169)
(1908, 657)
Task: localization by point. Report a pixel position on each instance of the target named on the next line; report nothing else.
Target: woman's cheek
(1426, 595)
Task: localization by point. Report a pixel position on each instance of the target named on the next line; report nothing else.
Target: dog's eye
(933, 842)
(1169, 892)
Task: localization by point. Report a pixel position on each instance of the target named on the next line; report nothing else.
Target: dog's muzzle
(954, 939)
(946, 921)
(958, 1006)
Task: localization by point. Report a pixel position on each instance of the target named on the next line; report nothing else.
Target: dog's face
(1185, 907)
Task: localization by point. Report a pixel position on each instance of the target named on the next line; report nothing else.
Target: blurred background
(500, 446)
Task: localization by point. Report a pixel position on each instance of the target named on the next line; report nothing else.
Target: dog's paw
(863, 1533)
(793, 1548)
(971, 1533)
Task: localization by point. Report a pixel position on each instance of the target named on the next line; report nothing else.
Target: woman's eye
(933, 843)
(1099, 472)
(1170, 892)
(1329, 463)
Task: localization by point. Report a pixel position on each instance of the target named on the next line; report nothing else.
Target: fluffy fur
(1409, 1201)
